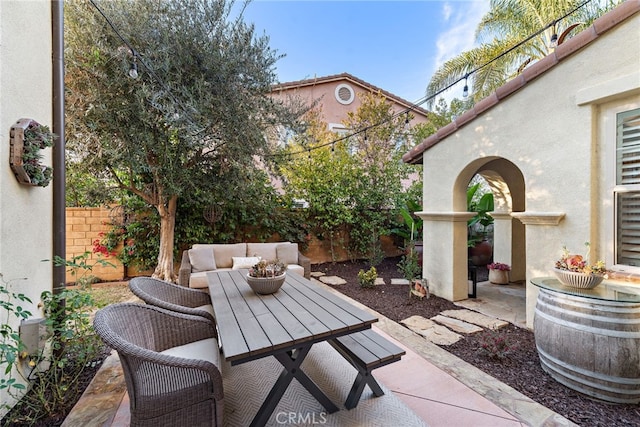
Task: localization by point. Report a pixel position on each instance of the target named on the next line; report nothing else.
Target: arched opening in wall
(493, 226)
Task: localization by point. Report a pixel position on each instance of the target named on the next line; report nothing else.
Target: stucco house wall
(545, 143)
(25, 92)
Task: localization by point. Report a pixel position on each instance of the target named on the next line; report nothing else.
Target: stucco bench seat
(204, 258)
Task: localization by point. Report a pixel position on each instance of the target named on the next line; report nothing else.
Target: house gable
(339, 94)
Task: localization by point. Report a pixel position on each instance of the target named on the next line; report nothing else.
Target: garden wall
(84, 226)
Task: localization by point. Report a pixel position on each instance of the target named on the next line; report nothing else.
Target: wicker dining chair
(166, 387)
(172, 297)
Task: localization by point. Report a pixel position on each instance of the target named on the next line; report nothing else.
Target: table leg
(291, 362)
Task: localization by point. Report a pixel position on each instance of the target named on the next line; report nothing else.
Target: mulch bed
(520, 368)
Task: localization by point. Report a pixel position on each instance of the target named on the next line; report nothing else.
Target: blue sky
(395, 45)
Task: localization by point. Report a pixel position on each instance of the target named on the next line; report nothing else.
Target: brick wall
(83, 227)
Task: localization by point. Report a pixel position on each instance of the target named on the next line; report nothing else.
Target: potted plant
(499, 273)
(28, 138)
(266, 277)
(480, 249)
(577, 271)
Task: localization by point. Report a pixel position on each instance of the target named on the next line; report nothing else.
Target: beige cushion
(295, 268)
(208, 308)
(224, 253)
(287, 253)
(202, 258)
(198, 280)
(244, 262)
(265, 250)
(206, 349)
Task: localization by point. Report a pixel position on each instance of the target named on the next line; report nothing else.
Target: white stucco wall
(25, 92)
(549, 131)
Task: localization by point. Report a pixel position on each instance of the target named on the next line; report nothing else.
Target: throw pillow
(202, 259)
(288, 253)
(244, 262)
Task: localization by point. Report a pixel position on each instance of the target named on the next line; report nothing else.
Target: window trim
(351, 91)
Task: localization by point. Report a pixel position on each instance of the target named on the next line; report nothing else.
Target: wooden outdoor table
(284, 325)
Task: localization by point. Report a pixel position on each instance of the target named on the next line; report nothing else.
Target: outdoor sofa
(203, 258)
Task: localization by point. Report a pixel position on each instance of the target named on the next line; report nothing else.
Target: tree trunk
(164, 269)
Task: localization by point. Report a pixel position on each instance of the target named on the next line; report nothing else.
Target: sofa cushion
(202, 258)
(265, 250)
(224, 253)
(199, 280)
(295, 268)
(244, 262)
(206, 349)
(287, 253)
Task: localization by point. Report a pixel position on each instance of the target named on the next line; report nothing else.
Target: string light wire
(441, 91)
(406, 111)
(138, 59)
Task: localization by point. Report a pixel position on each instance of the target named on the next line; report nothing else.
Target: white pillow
(244, 262)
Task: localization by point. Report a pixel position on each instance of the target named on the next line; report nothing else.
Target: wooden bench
(366, 351)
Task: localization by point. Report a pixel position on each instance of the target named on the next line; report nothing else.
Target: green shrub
(367, 279)
(409, 265)
(55, 371)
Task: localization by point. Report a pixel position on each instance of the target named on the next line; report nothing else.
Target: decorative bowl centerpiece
(266, 277)
(575, 270)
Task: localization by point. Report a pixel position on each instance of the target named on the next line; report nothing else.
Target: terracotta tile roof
(600, 26)
(354, 80)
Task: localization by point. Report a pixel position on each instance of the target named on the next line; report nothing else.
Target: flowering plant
(580, 264)
(266, 268)
(499, 266)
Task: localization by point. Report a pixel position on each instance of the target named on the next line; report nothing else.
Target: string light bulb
(465, 90)
(553, 43)
(133, 71)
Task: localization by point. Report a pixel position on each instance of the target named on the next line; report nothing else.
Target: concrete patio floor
(440, 388)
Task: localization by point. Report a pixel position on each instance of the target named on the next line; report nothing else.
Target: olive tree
(197, 114)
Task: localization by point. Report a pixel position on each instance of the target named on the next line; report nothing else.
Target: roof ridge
(333, 77)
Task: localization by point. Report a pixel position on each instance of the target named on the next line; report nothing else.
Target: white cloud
(446, 11)
(461, 19)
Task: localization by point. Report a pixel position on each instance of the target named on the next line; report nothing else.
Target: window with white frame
(627, 190)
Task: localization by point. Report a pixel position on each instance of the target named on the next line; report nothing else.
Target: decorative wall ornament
(27, 139)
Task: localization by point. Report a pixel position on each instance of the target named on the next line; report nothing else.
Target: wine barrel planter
(589, 344)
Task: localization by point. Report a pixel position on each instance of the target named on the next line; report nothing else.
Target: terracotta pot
(481, 253)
